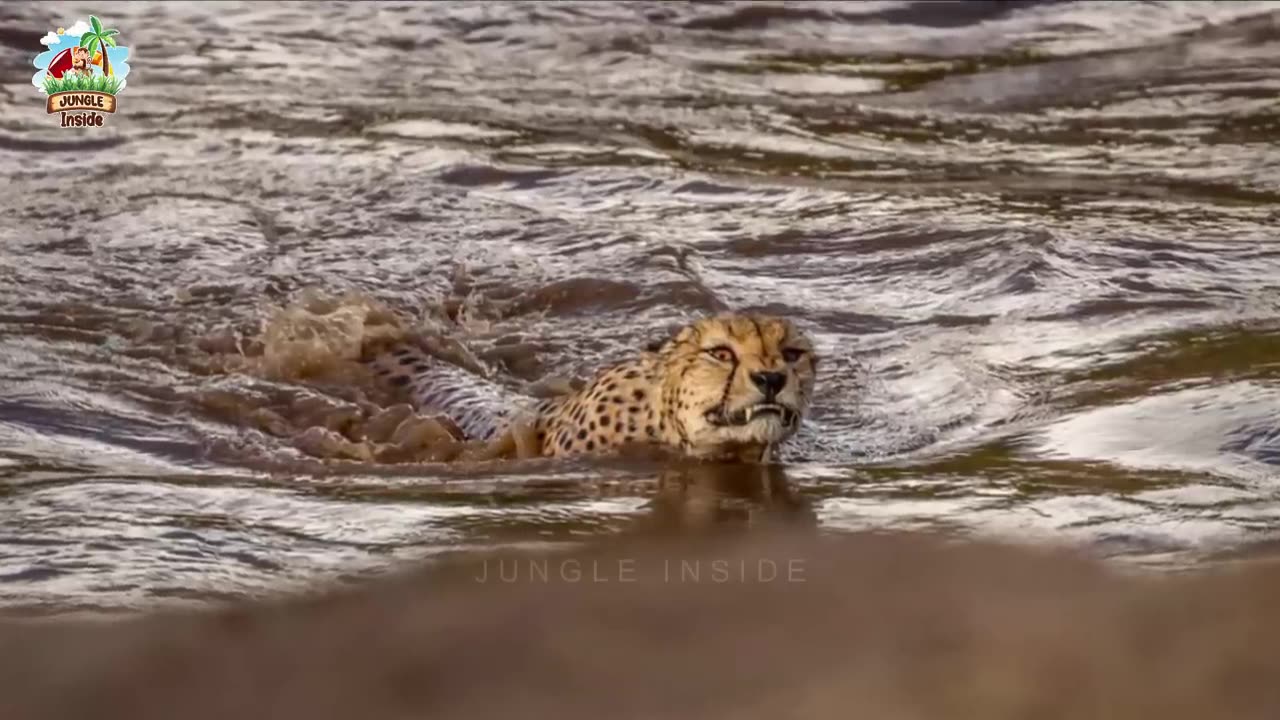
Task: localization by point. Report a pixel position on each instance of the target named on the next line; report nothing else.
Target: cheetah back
(620, 406)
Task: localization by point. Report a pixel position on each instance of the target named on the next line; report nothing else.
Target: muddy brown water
(1035, 244)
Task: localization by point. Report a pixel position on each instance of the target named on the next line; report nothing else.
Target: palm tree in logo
(102, 37)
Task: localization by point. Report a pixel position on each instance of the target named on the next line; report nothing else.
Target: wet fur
(478, 407)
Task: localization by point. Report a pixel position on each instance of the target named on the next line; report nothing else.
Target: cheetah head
(736, 381)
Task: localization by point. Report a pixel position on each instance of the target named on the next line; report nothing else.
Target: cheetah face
(738, 380)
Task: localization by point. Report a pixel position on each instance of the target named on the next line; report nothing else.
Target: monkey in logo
(80, 61)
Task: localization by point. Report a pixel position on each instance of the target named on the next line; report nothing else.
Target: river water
(1035, 242)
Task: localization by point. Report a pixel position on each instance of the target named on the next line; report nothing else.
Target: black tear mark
(728, 383)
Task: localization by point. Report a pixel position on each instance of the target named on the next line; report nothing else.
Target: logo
(82, 72)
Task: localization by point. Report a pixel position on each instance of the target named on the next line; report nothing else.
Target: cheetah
(730, 386)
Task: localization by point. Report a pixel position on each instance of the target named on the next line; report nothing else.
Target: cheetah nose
(769, 382)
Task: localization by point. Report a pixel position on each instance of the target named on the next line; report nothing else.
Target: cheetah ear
(657, 344)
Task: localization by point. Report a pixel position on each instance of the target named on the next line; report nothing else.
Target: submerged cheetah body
(726, 386)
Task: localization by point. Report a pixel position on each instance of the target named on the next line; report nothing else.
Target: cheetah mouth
(751, 413)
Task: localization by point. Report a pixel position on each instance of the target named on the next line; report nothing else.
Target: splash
(303, 378)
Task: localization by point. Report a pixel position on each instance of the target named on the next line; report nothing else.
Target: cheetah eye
(792, 354)
(722, 353)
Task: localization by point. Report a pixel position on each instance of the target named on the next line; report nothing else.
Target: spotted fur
(726, 386)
